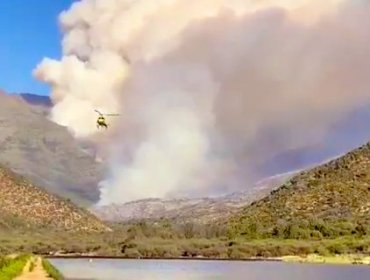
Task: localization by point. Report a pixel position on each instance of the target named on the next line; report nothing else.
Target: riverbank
(199, 258)
(336, 259)
(120, 246)
(213, 249)
(312, 259)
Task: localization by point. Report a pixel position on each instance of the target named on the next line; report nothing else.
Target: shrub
(337, 248)
(51, 270)
(132, 253)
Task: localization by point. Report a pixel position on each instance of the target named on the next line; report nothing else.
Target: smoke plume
(208, 90)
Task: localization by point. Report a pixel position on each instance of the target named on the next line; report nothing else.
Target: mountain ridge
(325, 200)
(44, 151)
(201, 210)
(26, 206)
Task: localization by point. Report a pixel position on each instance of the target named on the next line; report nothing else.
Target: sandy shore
(337, 259)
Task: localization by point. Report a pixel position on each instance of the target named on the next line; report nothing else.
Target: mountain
(196, 210)
(332, 199)
(39, 103)
(37, 100)
(26, 206)
(45, 152)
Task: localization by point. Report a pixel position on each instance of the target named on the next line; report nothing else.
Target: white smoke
(211, 88)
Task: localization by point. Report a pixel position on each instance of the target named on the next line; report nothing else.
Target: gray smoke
(214, 89)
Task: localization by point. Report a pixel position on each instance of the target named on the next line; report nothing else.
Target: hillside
(39, 103)
(330, 200)
(199, 210)
(23, 206)
(36, 100)
(45, 152)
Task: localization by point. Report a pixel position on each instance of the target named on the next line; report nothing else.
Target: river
(116, 269)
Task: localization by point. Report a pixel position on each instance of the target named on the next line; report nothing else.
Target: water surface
(117, 269)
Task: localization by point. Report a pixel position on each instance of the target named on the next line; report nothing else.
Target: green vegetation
(240, 249)
(329, 201)
(12, 267)
(51, 270)
(166, 240)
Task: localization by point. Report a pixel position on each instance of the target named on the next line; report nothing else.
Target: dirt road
(38, 272)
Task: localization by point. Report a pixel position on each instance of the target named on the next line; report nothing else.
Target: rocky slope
(25, 206)
(196, 210)
(45, 152)
(36, 100)
(330, 199)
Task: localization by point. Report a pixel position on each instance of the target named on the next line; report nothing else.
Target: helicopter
(101, 122)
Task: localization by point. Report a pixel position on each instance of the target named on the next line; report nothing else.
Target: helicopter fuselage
(101, 122)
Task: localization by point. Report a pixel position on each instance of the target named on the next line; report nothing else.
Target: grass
(51, 270)
(11, 268)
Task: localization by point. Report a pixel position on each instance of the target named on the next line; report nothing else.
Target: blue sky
(29, 31)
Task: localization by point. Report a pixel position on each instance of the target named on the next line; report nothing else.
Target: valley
(321, 210)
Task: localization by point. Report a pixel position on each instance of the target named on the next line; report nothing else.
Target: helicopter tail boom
(106, 114)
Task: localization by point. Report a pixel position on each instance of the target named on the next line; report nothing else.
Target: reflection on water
(105, 269)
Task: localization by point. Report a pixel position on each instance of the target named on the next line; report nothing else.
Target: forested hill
(329, 200)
